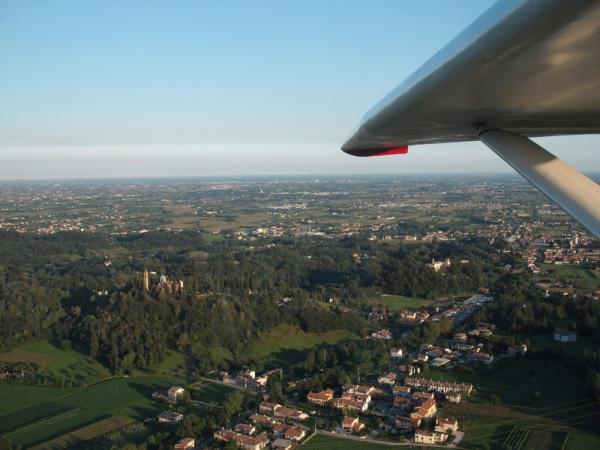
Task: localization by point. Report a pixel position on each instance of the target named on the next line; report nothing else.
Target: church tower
(146, 280)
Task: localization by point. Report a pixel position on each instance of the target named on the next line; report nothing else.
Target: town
(296, 313)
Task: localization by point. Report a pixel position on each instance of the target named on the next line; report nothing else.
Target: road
(377, 441)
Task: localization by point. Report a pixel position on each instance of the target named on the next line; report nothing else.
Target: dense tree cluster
(87, 288)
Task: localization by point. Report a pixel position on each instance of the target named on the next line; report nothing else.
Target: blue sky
(149, 88)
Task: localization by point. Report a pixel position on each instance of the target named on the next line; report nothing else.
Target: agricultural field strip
(516, 438)
(71, 408)
(33, 415)
(86, 433)
(540, 421)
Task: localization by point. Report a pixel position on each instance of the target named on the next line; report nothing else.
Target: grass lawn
(211, 392)
(286, 344)
(69, 364)
(127, 397)
(325, 442)
(399, 302)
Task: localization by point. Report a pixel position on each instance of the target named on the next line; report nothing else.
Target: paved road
(377, 441)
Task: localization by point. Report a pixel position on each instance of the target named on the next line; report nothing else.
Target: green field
(286, 344)
(535, 394)
(35, 413)
(81, 436)
(580, 277)
(573, 349)
(213, 392)
(13, 398)
(544, 428)
(172, 365)
(525, 382)
(325, 442)
(29, 411)
(56, 362)
(127, 397)
(399, 302)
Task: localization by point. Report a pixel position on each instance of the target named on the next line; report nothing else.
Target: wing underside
(525, 68)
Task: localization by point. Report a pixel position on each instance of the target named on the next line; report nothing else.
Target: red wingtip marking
(392, 151)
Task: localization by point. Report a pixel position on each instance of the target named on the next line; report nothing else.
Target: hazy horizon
(154, 89)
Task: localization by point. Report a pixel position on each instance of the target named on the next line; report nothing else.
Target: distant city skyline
(152, 89)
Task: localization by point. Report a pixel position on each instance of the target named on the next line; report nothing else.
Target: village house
(420, 397)
(427, 409)
(388, 378)
(245, 428)
(442, 387)
(281, 444)
(288, 431)
(408, 315)
(407, 423)
(169, 417)
(185, 444)
(246, 442)
(352, 425)
(267, 408)
(289, 413)
(444, 424)
(479, 357)
(350, 404)
(396, 352)
(175, 393)
(358, 389)
(460, 337)
(261, 419)
(440, 265)
(454, 397)
(365, 398)
(429, 437)
(320, 398)
(409, 370)
(403, 391)
(383, 334)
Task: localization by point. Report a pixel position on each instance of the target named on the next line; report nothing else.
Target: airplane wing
(524, 68)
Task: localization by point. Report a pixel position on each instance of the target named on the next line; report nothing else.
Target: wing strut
(570, 189)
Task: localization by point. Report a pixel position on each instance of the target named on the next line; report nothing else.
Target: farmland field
(87, 433)
(495, 425)
(521, 438)
(13, 398)
(127, 397)
(30, 415)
